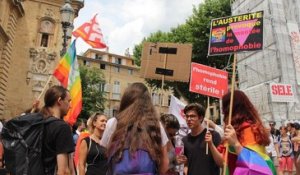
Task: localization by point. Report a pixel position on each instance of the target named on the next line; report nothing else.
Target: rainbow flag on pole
(67, 72)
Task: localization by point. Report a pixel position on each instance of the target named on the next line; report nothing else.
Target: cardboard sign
(171, 60)
(282, 93)
(236, 33)
(208, 81)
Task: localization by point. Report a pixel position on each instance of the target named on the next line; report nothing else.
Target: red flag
(91, 33)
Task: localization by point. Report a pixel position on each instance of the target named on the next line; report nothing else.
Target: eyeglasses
(192, 117)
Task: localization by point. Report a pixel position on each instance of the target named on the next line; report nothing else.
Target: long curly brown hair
(138, 125)
(244, 111)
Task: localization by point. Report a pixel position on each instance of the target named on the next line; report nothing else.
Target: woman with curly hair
(246, 136)
(136, 140)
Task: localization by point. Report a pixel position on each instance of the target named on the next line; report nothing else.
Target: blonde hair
(91, 120)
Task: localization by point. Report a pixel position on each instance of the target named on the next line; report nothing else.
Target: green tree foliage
(195, 30)
(92, 95)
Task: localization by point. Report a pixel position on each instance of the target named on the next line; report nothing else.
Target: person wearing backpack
(58, 141)
(92, 157)
(39, 143)
(135, 139)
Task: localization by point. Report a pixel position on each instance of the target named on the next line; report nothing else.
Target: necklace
(96, 139)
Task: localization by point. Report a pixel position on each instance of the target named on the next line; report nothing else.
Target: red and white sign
(208, 81)
(282, 92)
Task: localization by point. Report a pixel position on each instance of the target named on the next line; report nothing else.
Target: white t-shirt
(111, 126)
(271, 147)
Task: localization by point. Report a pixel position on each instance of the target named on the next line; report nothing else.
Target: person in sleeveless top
(285, 152)
(92, 157)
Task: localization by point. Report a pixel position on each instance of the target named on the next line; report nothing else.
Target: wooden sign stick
(230, 111)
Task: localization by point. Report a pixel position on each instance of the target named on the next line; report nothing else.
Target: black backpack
(22, 139)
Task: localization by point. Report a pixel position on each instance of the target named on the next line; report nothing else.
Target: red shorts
(286, 164)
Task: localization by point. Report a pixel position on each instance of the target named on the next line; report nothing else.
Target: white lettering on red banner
(208, 81)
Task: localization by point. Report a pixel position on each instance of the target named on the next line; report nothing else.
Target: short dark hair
(170, 121)
(196, 107)
(297, 126)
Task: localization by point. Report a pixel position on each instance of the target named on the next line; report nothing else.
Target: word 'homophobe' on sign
(282, 92)
(236, 33)
(208, 81)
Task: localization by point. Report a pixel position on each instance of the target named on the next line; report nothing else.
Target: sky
(124, 23)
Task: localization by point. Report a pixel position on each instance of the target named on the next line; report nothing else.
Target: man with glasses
(195, 158)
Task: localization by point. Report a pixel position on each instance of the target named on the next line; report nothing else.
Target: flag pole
(43, 91)
(207, 117)
(230, 110)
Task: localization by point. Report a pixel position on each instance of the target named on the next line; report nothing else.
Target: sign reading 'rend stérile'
(282, 93)
(208, 81)
(236, 33)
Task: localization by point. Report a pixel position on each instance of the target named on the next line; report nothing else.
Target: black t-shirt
(57, 140)
(195, 151)
(96, 158)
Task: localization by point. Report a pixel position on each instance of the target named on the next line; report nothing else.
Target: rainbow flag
(252, 160)
(67, 72)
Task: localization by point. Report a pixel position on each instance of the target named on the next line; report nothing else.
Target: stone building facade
(30, 44)
(119, 72)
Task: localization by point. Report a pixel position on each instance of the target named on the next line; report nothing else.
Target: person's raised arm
(231, 137)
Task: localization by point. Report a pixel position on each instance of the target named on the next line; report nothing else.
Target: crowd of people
(139, 141)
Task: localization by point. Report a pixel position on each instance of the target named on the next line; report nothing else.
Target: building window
(106, 87)
(44, 40)
(114, 112)
(132, 62)
(116, 94)
(130, 71)
(46, 32)
(86, 63)
(117, 69)
(118, 61)
(98, 57)
(160, 99)
(102, 66)
(169, 100)
(155, 98)
(102, 86)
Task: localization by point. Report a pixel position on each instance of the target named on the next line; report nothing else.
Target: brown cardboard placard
(170, 56)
